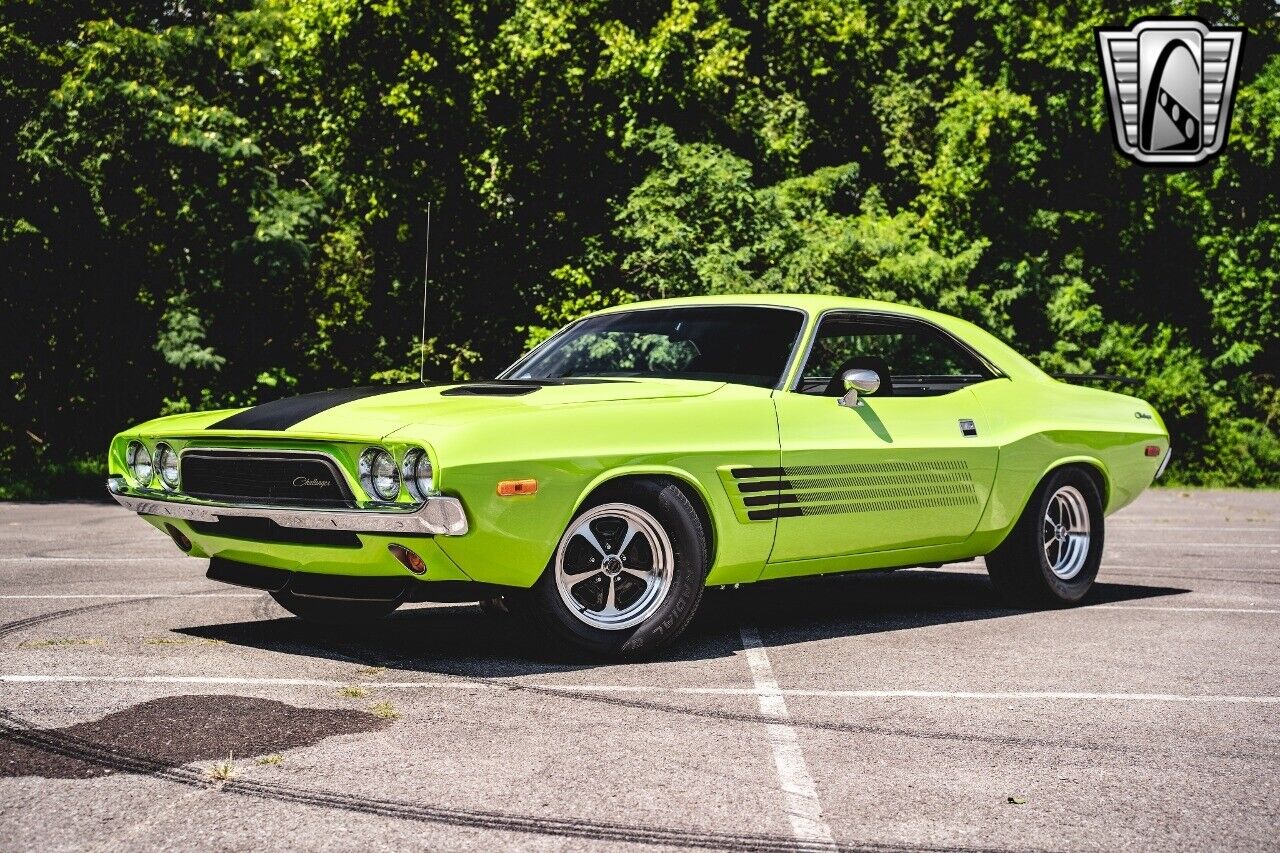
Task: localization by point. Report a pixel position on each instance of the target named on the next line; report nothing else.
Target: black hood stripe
(282, 414)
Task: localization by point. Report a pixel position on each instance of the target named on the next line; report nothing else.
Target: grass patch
(182, 641)
(223, 770)
(58, 642)
(267, 760)
(370, 671)
(353, 691)
(385, 711)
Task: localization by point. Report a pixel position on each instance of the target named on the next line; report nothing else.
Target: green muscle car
(648, 451)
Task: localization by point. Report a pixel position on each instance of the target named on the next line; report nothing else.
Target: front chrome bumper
(439, 516)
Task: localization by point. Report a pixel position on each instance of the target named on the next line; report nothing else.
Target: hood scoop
(518, 387)
(491, 389)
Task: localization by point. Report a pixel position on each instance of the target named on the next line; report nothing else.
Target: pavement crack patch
(177, 730)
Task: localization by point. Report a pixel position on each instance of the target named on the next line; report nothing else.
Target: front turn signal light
(507, 488)
(408, 558)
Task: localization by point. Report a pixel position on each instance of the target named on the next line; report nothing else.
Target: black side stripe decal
(766, 486)
(781, 512)
(282, 414)
(769, 500)
(839, 489)
(745, 473)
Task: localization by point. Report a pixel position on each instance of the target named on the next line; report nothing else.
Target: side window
(913, 358)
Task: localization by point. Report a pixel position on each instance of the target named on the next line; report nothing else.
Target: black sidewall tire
(1019, 568)
(666, 502)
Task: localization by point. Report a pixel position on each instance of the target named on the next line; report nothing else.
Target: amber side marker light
(1152, 450)
(507, 488)
(408, 559)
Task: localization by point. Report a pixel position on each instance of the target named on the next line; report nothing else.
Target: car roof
(809, 302)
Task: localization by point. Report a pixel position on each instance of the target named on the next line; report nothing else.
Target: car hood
(381, 410)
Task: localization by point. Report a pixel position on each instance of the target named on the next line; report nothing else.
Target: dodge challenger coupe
(648, 451)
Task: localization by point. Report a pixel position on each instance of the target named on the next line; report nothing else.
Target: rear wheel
(627, 575)
(326, 611)
(1053, 553)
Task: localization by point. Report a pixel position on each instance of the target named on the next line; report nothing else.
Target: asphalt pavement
(143, 706)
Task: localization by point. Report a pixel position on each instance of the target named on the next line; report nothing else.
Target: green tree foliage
(215, 203)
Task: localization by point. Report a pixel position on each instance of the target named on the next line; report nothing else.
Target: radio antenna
(426, 281)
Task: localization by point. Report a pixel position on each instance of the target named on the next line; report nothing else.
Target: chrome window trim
(440, 516)
(777, 386)
(996, 372)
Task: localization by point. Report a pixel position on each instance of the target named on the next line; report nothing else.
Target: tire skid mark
(843, 728)
(360, 656)
(26, 733)
(22, 731)
(39, 619)
(352, 653)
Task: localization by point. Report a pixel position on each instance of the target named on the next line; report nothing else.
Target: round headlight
(167, 465)
(379, 475)
(417, 473)
(139, 462)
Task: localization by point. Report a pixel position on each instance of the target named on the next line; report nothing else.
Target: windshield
(744, 345)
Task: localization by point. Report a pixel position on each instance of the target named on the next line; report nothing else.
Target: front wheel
(1053, 553)
(627, 575)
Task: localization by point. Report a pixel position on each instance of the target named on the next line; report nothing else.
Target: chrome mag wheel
(614, 566)
(1066, 532)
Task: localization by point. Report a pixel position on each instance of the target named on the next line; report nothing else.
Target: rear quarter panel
(1041, 424)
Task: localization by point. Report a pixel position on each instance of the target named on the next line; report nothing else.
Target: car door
(908, 467)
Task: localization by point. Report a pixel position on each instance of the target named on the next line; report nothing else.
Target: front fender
(571, 453)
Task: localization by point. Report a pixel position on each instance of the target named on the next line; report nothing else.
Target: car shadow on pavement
(460, 640)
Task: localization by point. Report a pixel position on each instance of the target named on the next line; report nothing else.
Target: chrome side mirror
(866, 381)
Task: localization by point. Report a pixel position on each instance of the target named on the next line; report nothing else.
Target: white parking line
(137, 595)
(807, 823)
(1088, 607)
(1177, 544)
(1199, 528)
(1263, 569)
(78, 559)
(820, 693)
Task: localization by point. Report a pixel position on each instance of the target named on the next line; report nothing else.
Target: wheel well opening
(692, 494)
(1095, 474)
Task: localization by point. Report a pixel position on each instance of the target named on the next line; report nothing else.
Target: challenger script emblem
(307, 481)
(1170, 83)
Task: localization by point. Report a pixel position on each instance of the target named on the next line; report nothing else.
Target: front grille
(265, 477)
